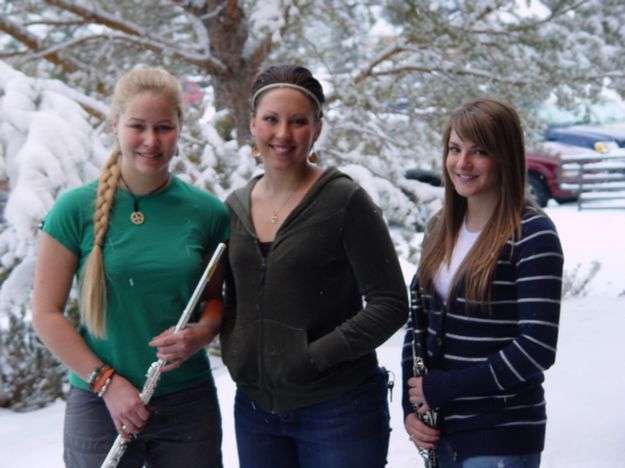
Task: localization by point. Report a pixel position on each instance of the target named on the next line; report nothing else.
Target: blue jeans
(184, 429)
(446, 459)
(350, 430)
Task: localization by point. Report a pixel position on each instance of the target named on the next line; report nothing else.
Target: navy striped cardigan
(486, 364)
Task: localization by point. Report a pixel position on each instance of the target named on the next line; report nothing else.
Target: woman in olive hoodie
(315, 286)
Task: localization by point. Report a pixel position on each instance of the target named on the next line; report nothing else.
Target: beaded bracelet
(95, 378)
(102, 380)
(94, 375)
(105, 387)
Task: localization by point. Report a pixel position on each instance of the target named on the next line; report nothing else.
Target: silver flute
(430, 417)
(154, 372)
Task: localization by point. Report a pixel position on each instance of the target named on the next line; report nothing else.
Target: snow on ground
(585, 401)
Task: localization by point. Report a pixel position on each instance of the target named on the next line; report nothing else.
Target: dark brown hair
(292, 74)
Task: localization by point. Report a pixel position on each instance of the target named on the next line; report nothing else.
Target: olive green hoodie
(302, 323)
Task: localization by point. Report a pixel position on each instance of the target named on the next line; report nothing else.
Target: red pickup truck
(544, 172)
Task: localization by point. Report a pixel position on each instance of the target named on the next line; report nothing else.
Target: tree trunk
(228, 33)
(231, 93)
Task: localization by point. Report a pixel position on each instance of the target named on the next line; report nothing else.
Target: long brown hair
(93, 285)
(496, 127)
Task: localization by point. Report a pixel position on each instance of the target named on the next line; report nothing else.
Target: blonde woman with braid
(490, 276)
(137, 241)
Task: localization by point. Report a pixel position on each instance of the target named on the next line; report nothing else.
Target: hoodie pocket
(240, 353)
(287, 358)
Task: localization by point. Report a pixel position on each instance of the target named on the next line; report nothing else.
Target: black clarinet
(430, 417)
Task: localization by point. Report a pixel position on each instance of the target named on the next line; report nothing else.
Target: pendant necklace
(137, 217)
(274, 216)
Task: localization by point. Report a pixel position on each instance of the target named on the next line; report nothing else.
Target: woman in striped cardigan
(490, 280)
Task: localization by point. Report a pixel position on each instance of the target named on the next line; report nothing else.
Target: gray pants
(184, 429)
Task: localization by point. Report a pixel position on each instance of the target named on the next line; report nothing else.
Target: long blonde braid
(93, 292)
(93, 287)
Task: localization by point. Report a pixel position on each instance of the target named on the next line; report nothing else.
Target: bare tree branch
(386, 54)
(43, 22)
(140, 34)
(99, 17)
(557, 11)
(202, 61)
(33, 43)
(451, 70)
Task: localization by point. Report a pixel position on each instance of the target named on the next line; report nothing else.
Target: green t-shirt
(152, 270)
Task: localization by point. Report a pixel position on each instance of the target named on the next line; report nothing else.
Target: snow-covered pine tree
(392, 69)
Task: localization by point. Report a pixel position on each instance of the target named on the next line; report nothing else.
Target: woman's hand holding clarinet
(421, 434)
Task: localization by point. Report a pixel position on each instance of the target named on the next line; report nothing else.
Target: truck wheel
(537, 189)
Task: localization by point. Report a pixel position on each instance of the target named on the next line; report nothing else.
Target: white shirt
(446, 272)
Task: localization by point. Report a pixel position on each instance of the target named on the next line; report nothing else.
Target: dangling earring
(313, 157)
(255, 152)
(177, 151)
